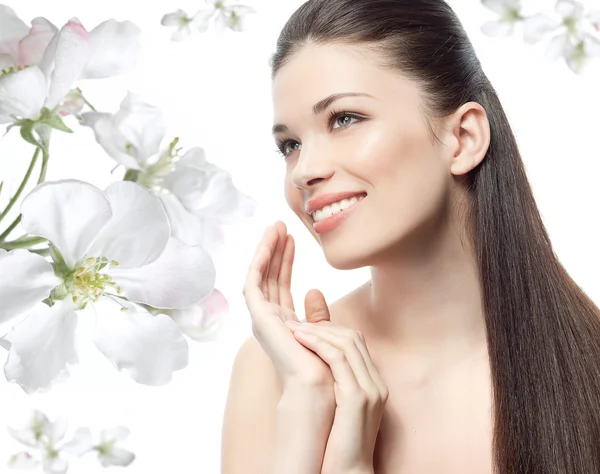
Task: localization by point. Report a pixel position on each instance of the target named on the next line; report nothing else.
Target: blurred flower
(108, 453)
(537, 26)
(198, 196)
(185, 24)
(510, 14)
(225, 16)
(72, 104)
(203, 320)
(44, 437)
(572, 42)
(109, 246)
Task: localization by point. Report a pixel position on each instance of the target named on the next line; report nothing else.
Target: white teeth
(334, 208)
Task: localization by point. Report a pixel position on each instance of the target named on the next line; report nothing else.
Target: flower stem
(23, 242)
(14, 199)
(42, 177)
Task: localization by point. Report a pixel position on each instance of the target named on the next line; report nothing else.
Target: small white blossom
(44, 437)
(225, 15)
(184, 25)
(108, 453)
(510, 14)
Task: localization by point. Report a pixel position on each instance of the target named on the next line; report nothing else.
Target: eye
(281, 147)
(334, 117)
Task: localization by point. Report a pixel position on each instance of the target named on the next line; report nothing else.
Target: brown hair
(543, 331)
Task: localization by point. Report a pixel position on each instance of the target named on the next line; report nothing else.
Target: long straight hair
(542, 330)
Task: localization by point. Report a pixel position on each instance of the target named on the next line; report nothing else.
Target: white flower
(106, 246)
(571, 42)
(18, 43)
(42, 66)
(225, 16)
(23, 93)
(537, 26)
(44, 436)
(510, 14)
(198, 196)
(108, 453)
(203, 320)
(184, 24)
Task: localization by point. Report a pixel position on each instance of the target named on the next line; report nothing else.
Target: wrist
(303, 396)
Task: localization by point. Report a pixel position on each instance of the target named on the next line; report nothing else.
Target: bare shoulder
(250, 413)
(346, 309)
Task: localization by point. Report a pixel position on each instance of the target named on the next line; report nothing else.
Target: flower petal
(116, 457)
(41, 346)
(64, 60)
(569, 8)
(537, 26)
(139, 229)
(32, 47)
(114, 434)
(180, 277)
(23, 460)
(142, 125)
(203, 320)
(25, 279)
(69, 213)
(497, 28)
(22, 93)
(189, 228)
(559, 46)
(115, 49)
(81, 443)
(55, 465)
(591, 45)
(38, 423)
(208, 190)
(201, 20)
(110, 138)
(174, 18)
(150, 348)
(12, 29)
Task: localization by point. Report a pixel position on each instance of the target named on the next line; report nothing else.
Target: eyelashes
(333, 115)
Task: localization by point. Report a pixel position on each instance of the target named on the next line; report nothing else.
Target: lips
(326, 199)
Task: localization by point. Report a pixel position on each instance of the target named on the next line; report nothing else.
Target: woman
(471, 350)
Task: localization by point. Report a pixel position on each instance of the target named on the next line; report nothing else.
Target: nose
(311, 168)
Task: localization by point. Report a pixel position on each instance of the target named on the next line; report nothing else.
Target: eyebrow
(321, 106)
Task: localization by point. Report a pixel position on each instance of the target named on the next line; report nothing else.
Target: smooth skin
(332, 355)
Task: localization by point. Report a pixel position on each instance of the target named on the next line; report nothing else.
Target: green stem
(23, 242)
(14, 199)
(42, 177)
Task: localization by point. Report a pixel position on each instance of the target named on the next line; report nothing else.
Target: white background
(215, 92)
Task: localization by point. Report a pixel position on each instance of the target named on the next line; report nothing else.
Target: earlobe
(472, 131)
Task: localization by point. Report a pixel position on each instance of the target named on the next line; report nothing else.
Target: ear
(470, 130)
(315, 307)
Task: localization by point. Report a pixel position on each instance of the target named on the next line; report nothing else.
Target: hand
(269, 300)
(360, 393)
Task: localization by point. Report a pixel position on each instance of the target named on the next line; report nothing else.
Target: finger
(339, 362)
(258, 266)
(275, 264)
(337, 335)
(285, 274)
(315, 307)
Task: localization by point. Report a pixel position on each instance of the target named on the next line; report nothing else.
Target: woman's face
(380, 145)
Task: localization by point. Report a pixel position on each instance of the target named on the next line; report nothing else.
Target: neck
(425, 300)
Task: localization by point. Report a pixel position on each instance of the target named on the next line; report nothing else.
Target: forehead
(317, 71)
